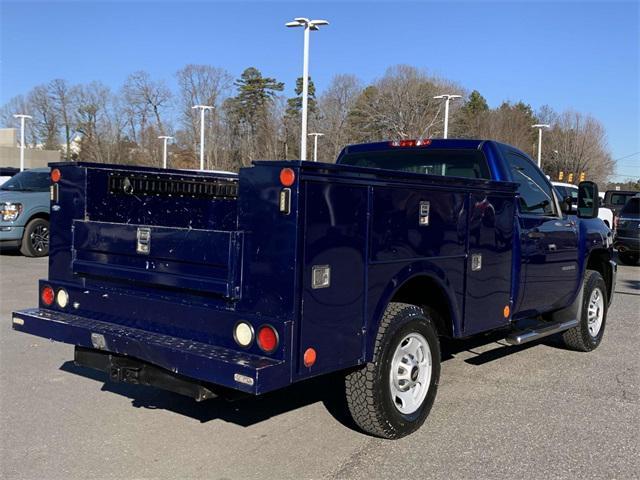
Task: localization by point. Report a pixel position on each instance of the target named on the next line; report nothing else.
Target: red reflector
(267, 338)
(47, 295)
(309, 357)
(410, 143)
(55, 175)
(287, 177)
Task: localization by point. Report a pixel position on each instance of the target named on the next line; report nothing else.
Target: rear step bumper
(123, 369)
(199, 361)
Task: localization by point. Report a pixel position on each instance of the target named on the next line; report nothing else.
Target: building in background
(33, 157)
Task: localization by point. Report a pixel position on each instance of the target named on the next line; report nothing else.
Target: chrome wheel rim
(40, 238)
(595, 312)
(410, 376)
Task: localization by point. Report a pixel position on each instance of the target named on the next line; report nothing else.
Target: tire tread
(360, 384)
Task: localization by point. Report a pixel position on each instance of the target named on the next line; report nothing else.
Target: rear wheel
(589, 332)
(35, 240)
(392, 395)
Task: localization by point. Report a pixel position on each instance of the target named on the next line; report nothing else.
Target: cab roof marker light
(420, 142)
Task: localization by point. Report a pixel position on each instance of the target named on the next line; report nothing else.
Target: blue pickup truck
(208, 284)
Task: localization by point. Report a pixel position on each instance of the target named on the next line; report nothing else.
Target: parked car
(6, 173)
(208, 284)
(24, 212)
(627, 237)
(570, 190)
(616, 199)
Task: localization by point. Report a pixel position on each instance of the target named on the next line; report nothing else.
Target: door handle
(535, 234)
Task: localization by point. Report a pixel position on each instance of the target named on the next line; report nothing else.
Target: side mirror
(588, 200)
(565, 205)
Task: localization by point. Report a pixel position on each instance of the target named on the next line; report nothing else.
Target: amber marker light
(309, 357)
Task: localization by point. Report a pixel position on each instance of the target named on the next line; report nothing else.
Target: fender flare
(424, 269)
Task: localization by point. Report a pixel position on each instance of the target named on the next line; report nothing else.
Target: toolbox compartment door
(184, 258)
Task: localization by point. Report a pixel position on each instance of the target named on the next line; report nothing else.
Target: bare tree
(19, 104)
(400, 105)
(62, 98)
(99, 123)
(335, 105)
(44, 117)
(202, 85)
(509, 123)
(147, 97)
(577, 143)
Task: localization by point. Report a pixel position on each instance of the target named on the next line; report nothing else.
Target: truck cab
(207, 283)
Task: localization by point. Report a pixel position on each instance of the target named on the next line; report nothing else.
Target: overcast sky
(578, 54)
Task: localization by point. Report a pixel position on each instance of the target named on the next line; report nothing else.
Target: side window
(535, 193)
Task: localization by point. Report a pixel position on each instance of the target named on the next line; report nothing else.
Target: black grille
(169, 186)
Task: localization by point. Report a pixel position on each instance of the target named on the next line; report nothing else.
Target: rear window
(450, 163)
(620, 199)
(632, 207)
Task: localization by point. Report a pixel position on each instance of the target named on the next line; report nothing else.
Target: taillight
(55, 175)
(47, 295)
(615, 222)
(411, 143)
(287, 177)
(267, 338)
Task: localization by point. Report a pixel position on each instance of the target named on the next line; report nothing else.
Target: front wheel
(593, 317)
(391, 396)
(35, 240)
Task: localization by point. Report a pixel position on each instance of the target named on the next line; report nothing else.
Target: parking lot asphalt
(537, 411)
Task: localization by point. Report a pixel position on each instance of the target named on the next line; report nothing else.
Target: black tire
(368, 390)
(35, 240)
(580, 338)
(628, 258)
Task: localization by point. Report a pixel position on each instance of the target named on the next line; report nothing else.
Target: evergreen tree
(468, 119)
(294, 105)
(476, 103)
(255, 92)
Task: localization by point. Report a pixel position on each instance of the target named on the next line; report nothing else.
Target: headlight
(10, 211)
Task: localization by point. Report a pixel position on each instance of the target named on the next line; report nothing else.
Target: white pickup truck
(570, 190)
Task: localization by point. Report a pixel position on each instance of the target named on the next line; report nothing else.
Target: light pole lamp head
(165, 136)
(22, 115)
(305, 22)
(447, 96)
(541, 125)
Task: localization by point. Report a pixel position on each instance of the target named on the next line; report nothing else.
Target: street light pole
(447, 98)
(315, 136)
(308, 26)
(202, 108)
(164, 138)
(22, 118)
(540, 126)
